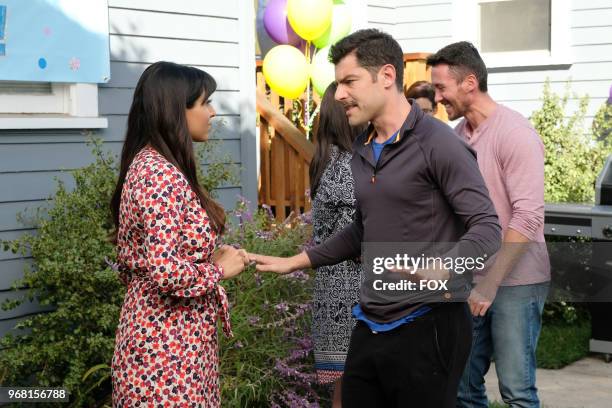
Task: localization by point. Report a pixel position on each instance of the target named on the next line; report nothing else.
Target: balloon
(339, 27)
(309, 18)
(263, 38)
(323, 71)
(286, 71)
(276, 24)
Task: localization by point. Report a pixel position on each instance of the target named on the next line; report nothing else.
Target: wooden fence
(286, 153)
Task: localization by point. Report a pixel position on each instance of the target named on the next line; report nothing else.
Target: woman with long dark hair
(167, 225)
(333, 207)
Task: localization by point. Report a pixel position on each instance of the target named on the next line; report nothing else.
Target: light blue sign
(2, 25)
(54, 41)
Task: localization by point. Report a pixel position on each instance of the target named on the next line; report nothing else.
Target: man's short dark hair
(373, 49)
(462, 59)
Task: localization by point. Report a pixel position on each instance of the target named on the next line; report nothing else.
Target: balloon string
(307, 107)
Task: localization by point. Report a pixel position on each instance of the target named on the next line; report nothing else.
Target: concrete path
(584, 384)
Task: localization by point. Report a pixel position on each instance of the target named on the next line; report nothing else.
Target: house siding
(215, 36)
(427, 25)
(381, 15)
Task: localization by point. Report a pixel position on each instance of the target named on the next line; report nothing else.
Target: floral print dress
(166, 350)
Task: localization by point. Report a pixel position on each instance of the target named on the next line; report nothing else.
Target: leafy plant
(574, 157)
(70, 275)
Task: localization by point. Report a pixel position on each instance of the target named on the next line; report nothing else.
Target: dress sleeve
(164, 199)
(343, 192)
(345, 243)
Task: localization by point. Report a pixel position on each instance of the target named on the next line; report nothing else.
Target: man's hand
(513, 248)
(481, 298)
(432, 274)
(280, 265)
(423, 274)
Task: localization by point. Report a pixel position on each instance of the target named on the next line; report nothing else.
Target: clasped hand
(232, 260)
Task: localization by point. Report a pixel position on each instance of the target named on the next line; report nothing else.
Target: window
(511, 33)
(40, 105)
(499, 31)
(31, 97)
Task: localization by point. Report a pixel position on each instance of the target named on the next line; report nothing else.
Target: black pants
(418, 364)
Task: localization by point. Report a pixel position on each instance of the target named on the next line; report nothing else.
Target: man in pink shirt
(509, 295)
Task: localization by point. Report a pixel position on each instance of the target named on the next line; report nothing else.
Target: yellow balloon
(309, 18)
(286, 71)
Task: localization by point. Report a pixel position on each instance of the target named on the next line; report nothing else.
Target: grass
(561, 344)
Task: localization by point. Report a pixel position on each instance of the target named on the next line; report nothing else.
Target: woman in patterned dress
(166, 352)
(333, 201)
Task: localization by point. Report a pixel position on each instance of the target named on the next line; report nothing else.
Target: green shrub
(562, 343)
(602, 126)
(574, 157)
(70, 274)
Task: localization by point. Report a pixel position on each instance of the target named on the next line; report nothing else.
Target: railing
(286, 153)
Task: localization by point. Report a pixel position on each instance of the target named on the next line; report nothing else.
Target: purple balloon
(276, 24)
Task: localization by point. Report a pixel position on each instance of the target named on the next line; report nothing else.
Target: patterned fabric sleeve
(343, 200)
(172, 274)
(338, 241)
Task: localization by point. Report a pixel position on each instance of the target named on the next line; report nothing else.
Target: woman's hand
(280, 265)
(232, 260)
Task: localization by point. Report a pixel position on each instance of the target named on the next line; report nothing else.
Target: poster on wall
(54, 41)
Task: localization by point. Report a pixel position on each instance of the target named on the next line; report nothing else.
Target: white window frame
(466, 26)
(69, 106)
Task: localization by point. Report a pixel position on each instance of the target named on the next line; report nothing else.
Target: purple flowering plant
(269, 361)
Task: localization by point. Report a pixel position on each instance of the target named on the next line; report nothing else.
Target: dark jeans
(418, 364)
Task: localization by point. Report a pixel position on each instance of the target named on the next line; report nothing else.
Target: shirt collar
(411, 119)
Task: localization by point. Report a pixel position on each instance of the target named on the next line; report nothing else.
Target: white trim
(249, 141)
(83, 100)
(35, 103)
(51, 122)
(69, 106)
(466, 26)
